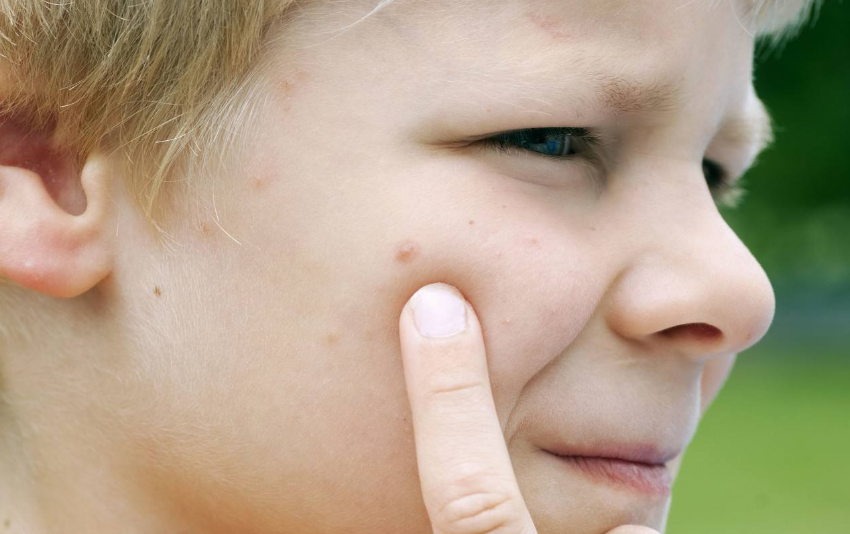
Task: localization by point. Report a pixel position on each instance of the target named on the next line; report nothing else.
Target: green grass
(772, 455)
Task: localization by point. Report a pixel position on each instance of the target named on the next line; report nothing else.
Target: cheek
(532, 277)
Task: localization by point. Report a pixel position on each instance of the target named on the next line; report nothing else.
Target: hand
(466, 475)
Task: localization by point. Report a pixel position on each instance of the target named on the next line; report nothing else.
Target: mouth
(637, 469)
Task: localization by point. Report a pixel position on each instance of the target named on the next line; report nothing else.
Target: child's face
(269, 347)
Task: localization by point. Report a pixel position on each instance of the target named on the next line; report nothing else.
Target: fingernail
(439, 310)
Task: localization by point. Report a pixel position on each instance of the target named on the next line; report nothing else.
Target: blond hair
(164, 79)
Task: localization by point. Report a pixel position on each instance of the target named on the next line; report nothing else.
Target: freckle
(531, 240)
(6, 523)
(406, 252)
(204, 228)
(333, 339)
(257, 182)
(471, 223)
(504, 205)
(157, 291)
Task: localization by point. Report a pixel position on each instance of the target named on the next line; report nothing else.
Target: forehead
(612, 56)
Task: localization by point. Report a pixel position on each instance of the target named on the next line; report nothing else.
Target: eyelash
(725, 192)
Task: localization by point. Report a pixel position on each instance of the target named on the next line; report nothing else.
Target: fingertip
(438, 310)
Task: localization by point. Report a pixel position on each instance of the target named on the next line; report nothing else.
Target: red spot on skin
(406, 252)
(499, 254)
(288, 88)
(506, 321)
(551, 25)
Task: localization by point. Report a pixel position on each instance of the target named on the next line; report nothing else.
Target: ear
(53, 214)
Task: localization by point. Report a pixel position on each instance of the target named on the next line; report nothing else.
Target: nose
(688, 285)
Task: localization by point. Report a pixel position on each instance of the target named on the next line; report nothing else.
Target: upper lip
(649, 454)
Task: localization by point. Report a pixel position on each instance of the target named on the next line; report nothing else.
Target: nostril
(697, 331)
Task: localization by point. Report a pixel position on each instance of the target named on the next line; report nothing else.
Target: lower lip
(645, 478)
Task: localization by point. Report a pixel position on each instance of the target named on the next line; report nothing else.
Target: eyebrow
(630, 96)
(754, 129)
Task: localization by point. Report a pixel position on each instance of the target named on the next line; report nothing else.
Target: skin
(245, 373)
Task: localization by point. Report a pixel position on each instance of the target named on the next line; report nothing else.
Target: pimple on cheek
(406, 252)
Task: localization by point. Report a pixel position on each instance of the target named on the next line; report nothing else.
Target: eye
(714, 174)
(727, 192)
(559, 143)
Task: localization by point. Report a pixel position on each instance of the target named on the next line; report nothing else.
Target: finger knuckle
(476, 503)
(477, 513)
(451, 390)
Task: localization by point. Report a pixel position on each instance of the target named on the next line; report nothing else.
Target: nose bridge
(688, 281)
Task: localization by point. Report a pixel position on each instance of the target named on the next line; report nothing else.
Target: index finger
(467, 479)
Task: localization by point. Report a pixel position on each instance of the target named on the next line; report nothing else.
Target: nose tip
(700, 292)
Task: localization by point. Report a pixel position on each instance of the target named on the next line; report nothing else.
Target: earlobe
(45, 247)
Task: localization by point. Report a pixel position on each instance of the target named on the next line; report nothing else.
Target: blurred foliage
(771, 455)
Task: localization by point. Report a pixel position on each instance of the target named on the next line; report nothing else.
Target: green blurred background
(771, 455)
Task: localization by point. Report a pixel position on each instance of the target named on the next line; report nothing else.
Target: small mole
(471, 222)
(157, 291)
(406, 252)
